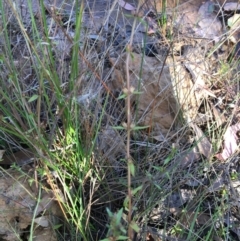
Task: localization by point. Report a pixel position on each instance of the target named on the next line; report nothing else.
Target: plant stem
(128, 106)
(129, 120)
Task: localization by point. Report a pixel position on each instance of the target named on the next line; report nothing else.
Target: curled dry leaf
(125, 5)
(230, 142)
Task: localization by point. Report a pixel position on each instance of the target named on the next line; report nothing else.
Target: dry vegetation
(119, 120)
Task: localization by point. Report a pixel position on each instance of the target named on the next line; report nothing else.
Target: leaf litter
(19, 205)
(171, 96)
(230, 139)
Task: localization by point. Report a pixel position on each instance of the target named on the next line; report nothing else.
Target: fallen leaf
(184, 90)
(234, 34)
(210, 25)
(192, 183)
(46, 234)
(219, 118)
(21, 157)
(231, 6)
(125, 5)
(17, 200)
(206, 9)
(230, 142)
(96, 37)
(45, 203)
(186, 218)
(42, 221)
(188, 157)
(157, 105)
(217, 184)
(197, 66)
(234, 21)
(203, 144)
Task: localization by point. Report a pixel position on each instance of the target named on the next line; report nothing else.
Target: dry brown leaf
(217, 184)
(186, 218)
(111, 143)
(22, 157)
(188, 77)
(197, 19)
(203, 144)
(209, 26)
(156, 104)
(42, 221)
(45, 203)
(184, 89)
(126, 5)
(46, 234)
(197, 65)
(17, 201)
(230, 142)
(219, 118)
(188, 157)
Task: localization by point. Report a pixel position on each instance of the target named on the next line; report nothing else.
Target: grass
(112, 179)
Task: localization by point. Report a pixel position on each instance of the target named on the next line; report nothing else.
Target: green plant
(116, 230)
